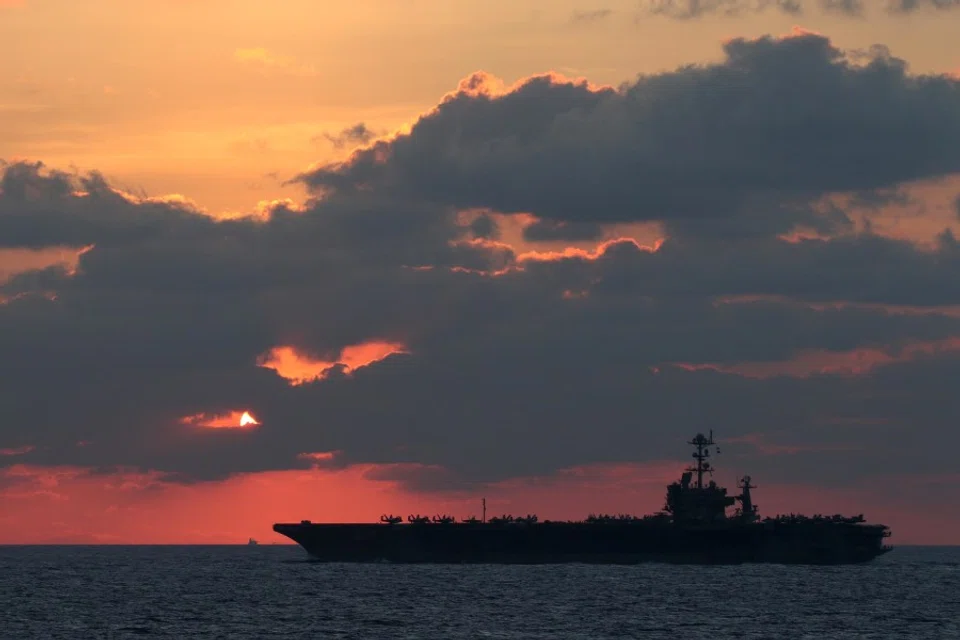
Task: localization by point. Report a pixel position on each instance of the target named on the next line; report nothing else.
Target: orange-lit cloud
(16, 451)
(299, 369)
(762, 444)
(585, 254)
(231, 420)
(893, 309)
(817, 362)
(319, 456)
(14, 261)
(482, 83)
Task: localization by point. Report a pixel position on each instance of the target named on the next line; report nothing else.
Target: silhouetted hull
(553, 543)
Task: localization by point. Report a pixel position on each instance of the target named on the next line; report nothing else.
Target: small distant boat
(252, 542)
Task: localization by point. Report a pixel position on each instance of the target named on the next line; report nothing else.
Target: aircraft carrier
(699, 524)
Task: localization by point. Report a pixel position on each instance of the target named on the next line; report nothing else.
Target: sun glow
(231, 420)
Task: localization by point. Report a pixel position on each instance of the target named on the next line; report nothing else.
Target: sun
(228, 420)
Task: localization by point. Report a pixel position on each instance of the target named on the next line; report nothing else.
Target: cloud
(41, 209)
(909, 6)
(744, 144)
(357, 134)
(591, 16)
(503, 362)
(686, 9)
(268, 60)
(163, 329)
(548, 230)
(689, 9)
(846, 7)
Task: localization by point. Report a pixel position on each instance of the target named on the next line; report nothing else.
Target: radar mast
(748, 510)
(703, 444)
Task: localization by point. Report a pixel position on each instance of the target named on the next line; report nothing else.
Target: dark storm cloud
(862, 268)
(880, 198)
(549, 363)
(39, 209)
(485, 227)
(505, 371)
(549, 231)
(532, 419)
(763, 221)
(776, 125)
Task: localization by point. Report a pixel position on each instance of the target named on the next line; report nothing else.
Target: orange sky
(222, 102)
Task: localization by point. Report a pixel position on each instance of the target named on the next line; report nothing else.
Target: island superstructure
(699, 524)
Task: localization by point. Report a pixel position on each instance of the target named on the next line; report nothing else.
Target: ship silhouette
(694, 527)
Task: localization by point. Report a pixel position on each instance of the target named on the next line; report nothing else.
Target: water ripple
(259, 592)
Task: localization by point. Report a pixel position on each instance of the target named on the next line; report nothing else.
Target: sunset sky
(266, 261)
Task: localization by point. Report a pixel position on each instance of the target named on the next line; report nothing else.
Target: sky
(264, 262)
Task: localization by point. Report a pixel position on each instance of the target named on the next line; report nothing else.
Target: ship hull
(558, 543)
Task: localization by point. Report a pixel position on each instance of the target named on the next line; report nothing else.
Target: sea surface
(271, 592)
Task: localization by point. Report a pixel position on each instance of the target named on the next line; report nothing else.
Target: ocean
(266, 591)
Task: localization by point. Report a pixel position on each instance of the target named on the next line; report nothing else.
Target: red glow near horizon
(72, 505)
